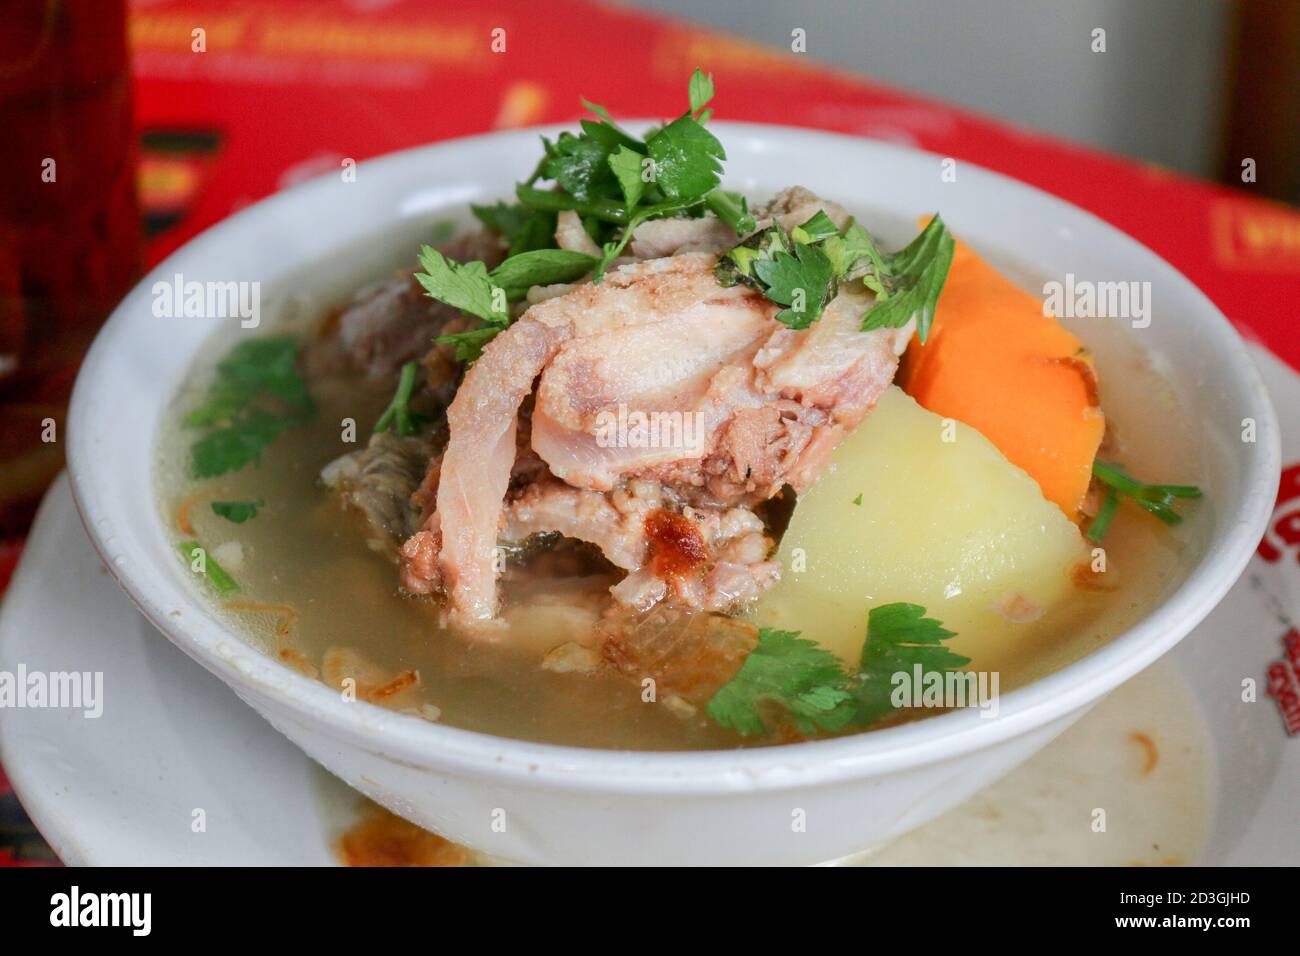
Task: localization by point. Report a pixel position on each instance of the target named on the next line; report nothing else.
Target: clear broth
(304, 549)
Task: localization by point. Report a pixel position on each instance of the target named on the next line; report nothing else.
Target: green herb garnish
(237, 511)
(462, 286)
(614, 181)
(700, 90)
(398, 415)
(611, 211)
(803, 281)
(540, 267)
(1105, 514)
(256, 395)
(899, 637)
(807, 266)
(630, 168)
(855, 253)
(816, 229)
(468, 346)
(523, 227)
(474, 290)
(687, 158)
(221, 582)
(737, 264)
(469, 288)
(810, 685)
(913, 278)
(784, 669)
(731, 208)
(1157, 499)
(579, 164)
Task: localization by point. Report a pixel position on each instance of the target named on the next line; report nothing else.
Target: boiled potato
(950, 525)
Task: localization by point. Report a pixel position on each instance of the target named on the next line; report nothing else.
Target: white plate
(123, 789)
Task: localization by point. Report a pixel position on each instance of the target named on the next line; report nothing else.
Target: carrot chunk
(993, 361)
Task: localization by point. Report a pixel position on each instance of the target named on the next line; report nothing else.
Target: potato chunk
(947, 524)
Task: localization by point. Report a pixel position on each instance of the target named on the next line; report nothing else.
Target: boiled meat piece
(664, 409)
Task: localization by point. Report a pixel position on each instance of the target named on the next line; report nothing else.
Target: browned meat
(795, 205)
(746, 403)
(570, 234)
(686, 370)
(701, 558)
(648, 416)
(456, 548)
(378, 481)
(668, 237)
(612, 522)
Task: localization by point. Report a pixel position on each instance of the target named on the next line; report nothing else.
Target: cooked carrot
(995, 362)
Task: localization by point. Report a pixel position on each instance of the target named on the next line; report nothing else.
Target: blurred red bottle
(69, 225)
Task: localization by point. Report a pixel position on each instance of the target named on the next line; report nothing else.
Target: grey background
(1157, 93)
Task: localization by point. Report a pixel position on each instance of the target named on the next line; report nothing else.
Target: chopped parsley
(463, 286)
(731, 208)
(398, 415)
(785, 669)
(816, 229)
(256, 394)
(237, 511)
(700, 90)
(221, 581)
(540, 267)
(854, 254)
(899, 637)
(687, 158)
(738, 263)
(614, 181)
(524, 228)
(912, 278)
(1117, 483)
(629, 168)
(472, 289)
(469, 288)
(468, 346)
(809, 686)
(802, 280)
(803, 269)
(579, 164)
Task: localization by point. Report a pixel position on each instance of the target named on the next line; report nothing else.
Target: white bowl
(547, 804)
